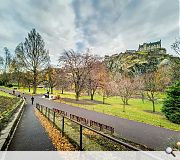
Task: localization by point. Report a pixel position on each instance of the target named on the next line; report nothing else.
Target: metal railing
(84, 136)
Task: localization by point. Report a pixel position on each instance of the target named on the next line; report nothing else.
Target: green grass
(136, 110)
(26, 90)
(8, 104)
(6, 94)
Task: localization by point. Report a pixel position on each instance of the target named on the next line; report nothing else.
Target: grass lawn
(136, 110)
(3, 94)
(7, 106)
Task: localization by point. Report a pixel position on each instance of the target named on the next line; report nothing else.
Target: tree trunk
(51, 90)
(77, 96)
(34, 82)
(103, 99)
(142, 97)
(34, 89)
(153, 106)
(126, 101)
(124, 106)
(29, 89)
(92, 96)
(62, 91)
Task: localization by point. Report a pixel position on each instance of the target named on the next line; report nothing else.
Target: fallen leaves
(60, 142)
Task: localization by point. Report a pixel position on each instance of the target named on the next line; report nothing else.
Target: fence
(83, 133)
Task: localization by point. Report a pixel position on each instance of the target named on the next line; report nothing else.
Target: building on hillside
(130, 51)
(152, 46)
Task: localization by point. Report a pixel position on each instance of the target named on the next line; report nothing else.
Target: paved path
(149, 135)
(30, 135)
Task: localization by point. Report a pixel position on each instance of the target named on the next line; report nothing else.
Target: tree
(171, 106)
(50, 78)
(96, 78)
(163, 77)
(1, 61)
(176, 46)
(79, 65)
(16, 71)
(7, 59)
(63, 79)
(33, 56)
(151, 87)
(155, 82)
(108, 89)
(5, 63)
(175, 73)
(126, 87)
(140, 82)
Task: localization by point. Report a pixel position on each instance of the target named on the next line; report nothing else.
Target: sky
(106, 27)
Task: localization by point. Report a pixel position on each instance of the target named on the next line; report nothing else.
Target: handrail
(98, 132)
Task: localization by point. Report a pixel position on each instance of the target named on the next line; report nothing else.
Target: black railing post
(42, 110)
(81, 140)
(54, 114)
(63, 126)
(46, 112)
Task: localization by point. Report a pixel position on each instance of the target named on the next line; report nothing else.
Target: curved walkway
(30, 135)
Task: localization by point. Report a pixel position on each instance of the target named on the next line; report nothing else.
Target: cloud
(120, 25)
(107, 26)
(55, 22)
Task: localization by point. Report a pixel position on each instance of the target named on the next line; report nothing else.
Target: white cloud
(104, 26)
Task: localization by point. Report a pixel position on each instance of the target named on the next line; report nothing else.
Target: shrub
(9, 85)
(2, 83)
(171, 106)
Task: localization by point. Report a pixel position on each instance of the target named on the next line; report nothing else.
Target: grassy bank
(7, 106)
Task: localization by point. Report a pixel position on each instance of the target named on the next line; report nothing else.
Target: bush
(2, 83)
(9, 85)
(171, 106)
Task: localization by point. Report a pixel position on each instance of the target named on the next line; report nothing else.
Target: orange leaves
(59, 142)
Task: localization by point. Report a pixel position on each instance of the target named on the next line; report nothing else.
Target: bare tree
(108, 89)
(176, 46)
(155, 82)
(79, 65)
(50, 77)
(16, 71)
(32, 55)
(96, 78)
(140, 82)
(126, 87)
(5, 63)
(63, 79)
(151, 87)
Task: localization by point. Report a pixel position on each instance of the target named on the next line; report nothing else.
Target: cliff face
(139, 62)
